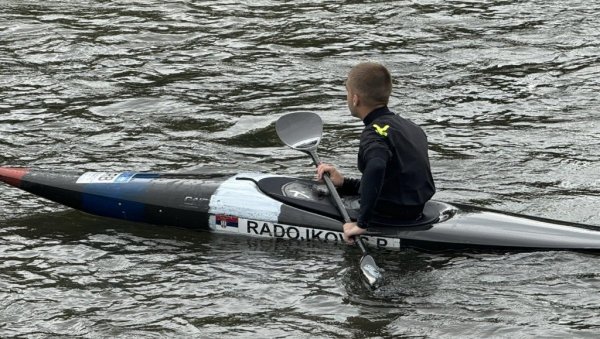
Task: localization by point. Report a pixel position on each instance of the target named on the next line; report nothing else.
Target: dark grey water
(506, 90)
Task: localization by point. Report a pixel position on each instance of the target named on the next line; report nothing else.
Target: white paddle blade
(371, 272)
(301, 131)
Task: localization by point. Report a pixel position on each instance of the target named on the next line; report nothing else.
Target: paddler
(393, 156)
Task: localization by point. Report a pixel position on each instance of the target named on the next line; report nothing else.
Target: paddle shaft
(337, 199)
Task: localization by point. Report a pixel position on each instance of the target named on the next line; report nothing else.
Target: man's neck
(376, 113)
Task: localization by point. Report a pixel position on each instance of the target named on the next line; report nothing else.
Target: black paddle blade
(371, 272)
(301, 130)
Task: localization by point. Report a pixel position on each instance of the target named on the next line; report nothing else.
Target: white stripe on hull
(241, 198)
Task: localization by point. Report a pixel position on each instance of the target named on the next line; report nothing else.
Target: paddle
(302, 131)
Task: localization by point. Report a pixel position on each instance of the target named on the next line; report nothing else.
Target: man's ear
(355, 100)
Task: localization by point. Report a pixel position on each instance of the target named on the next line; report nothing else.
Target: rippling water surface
(506, 90)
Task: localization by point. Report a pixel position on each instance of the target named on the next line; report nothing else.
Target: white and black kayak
(273, 206)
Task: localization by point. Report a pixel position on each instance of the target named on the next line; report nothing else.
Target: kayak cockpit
(313, 197)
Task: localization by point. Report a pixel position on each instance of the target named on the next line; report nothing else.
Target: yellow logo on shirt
(381, 130)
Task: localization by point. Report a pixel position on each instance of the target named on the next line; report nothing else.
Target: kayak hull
(271, 206)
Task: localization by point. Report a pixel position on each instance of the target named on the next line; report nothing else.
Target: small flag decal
(226, 220)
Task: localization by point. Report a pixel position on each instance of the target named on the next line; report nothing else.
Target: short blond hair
(372, 81)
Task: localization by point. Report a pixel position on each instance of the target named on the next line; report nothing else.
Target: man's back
(408, 182)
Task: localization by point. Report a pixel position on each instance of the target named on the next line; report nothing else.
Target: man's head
(369, 86)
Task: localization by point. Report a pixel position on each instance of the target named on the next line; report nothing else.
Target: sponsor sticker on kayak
(105, 177)
(230, 224)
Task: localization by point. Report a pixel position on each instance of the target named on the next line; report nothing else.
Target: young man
(392, 157)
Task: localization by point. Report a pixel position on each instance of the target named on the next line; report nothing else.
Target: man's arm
(349, 187)
(371, 183)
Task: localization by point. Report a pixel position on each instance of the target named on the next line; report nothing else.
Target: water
(506, 90)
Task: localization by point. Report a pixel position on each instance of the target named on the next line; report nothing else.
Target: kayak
(275, 206)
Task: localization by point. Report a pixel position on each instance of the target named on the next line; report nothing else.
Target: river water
(506, 90)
